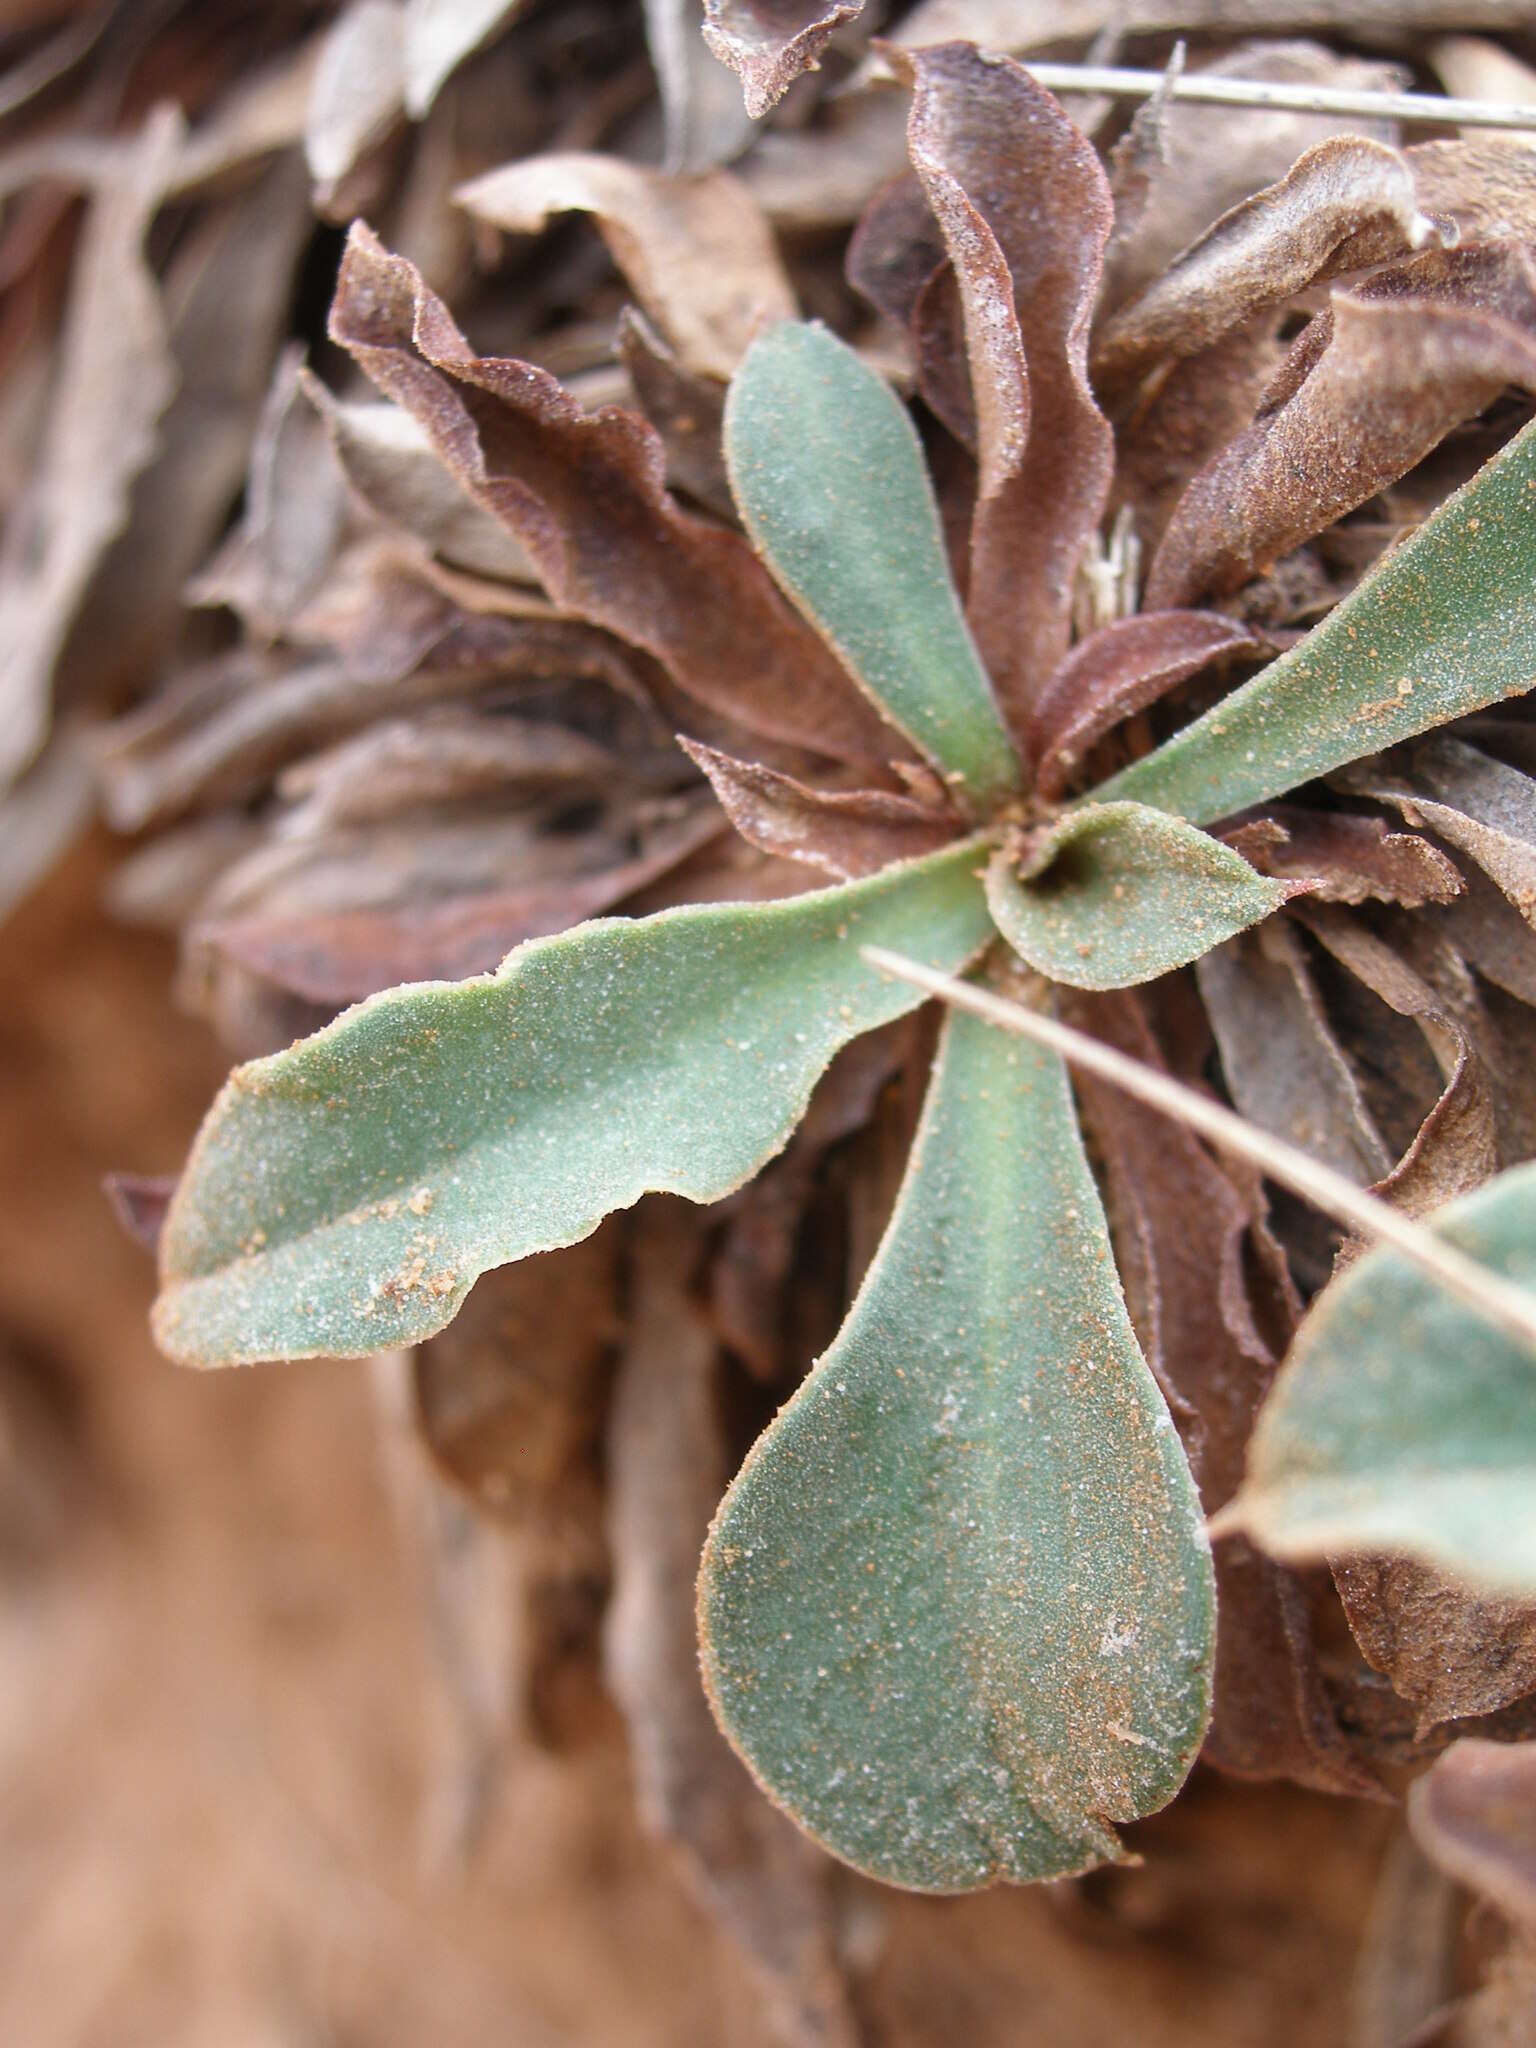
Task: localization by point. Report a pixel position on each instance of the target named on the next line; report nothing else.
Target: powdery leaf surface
(769, 43)
(343, 1196)
(956, 1608)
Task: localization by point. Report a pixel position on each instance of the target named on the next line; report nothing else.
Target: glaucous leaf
(1444, 625)
(832, 487)
(343, 1196)
(1119, 893)
(956, 1610)
(1404, 1422)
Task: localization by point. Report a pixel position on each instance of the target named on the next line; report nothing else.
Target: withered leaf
(1024, 208)
(585, 495)
(357, 93)
(1486, 184)
(843, 832)
(439, 35)
(825, 176)
(1474, 1813)
(1346, 203)
(895, 249)
(769, 43)
(1477, 804)
(1121, 669)
(703, 120)
(686, 410)
(1446, 1650)
(1347, 858)
(114, 379)
(697, 251)
(747, 1866)
(1368, 390)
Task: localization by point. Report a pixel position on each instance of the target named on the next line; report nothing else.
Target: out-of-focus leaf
(956, 1609)
(843, 832)
(1445, 625)
(1024, 207)
(139, 1202)
(1281, 1061)
(687, 411)
(895, 249)
(1474, 1812)
(1121, 669)
(438, 36)
(768, 43)
(1184, 1246)
(585, 496)
(1477, 68)
(1115, 894)
(832, 488)
(1444, 1649)
(756, 1876)
(357, 94)
(1346, 858)
(1365, 395)
(387, 457)
(1205, 159)
(1346, 203)
(1486, 184)
(825, 176)
(1477, 804)
(114, 379)
(346, 1194)
(1403, 1422)
(703, 119)
(697, 251)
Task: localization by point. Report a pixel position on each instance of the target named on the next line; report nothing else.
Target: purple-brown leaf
(768, 43)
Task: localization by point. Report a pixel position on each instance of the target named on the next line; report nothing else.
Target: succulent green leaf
(1443, 625)
(829, 477)
(344, 1195)
(956, 1610)
(1403, 1421)
(1118, 893)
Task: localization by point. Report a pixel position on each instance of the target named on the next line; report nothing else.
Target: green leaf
(1444, 625)
(1403, 1421)
(1118, 893)
(344, 1195)
(956, 1610)
(829, 477)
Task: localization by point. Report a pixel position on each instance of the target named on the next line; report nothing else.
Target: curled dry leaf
(1444, 1649)
(1346, 203)
(584, 493)
(768, 43)
(1024, 208)
(1367, 391)
(1479, 805)
(1474, 1812)
(697, 251)
(749, 1869)
(1346, 858)
(843, 832)
(1121, 669)
(114, 379)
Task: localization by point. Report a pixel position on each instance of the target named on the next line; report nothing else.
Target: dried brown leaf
(1475, 803)
(697, 251)
(686, 410)
(584, 493)
(1447, 1651)
(1474, 1813)
(895, 249)
(1368, 390)
(845, 833)
(1024, 208)
(114, 379)
(703, 120)
(769, 43)
(1486, 184)
(824, 177)
(357, 94)
(1346, 858)
(746, 1865)
(439, 35)
(1121, 669)
(1348, 202)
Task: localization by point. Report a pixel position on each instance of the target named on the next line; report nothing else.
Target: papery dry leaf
(585, 495)
(1206, 159)
(1474, 1813)
(687, 411)
(1024, 208)
(746, 1865)
(845, 833)
(357, 95)
(114, 379)
(1444, 1649)
(769, 43)
(1346, 858)
(355, 910)
(1486, 929)
(1368, 390)
(439, 35)
(1486, 184)
(1120, 669)
(389, 460)
(696, 251)
(1180, 1227)
(1348, 202)
(1475, 803)
(1283, 1067)
(703, 119)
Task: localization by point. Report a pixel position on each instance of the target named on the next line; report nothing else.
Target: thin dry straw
(1201, 87)
(1488, 1294)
